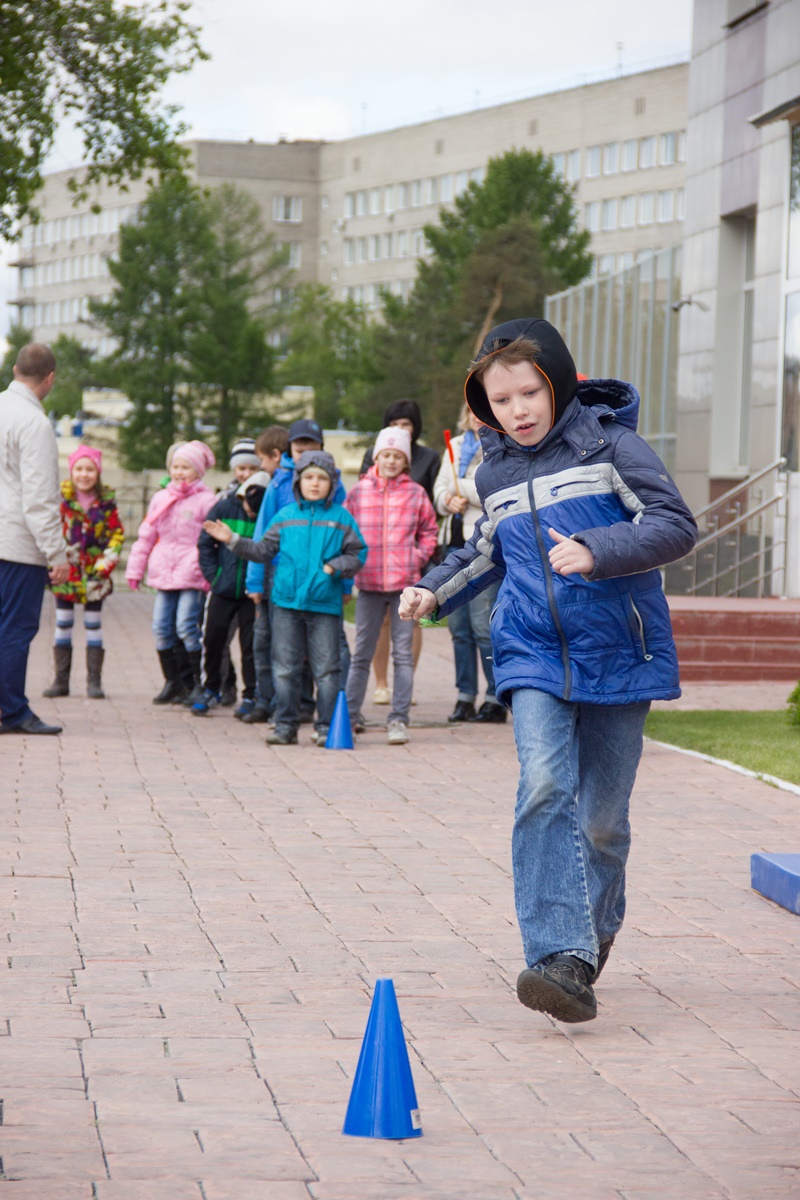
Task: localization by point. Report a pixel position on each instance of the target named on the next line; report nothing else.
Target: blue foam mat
(777, 876)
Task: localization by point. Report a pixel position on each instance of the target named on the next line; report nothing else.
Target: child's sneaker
(282, 737)
(382, 696)
(560, 987)
(244, 709)
(398, 733)
(205, 701)
(359, 723)
(320, 736)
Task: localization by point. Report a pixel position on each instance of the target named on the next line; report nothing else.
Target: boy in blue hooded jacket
(579, 514)
(320, 546)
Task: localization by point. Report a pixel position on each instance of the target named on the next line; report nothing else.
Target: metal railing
(741, 550)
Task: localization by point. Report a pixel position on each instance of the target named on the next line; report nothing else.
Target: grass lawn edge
(772, 780)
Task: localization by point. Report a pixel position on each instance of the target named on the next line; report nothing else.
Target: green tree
(101, 62)
(506, 243)
(153, 311)
(231, 361)
(76, 369)
(17, 337)
(329, 348)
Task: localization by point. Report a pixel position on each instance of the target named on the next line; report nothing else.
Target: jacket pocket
(636, 624)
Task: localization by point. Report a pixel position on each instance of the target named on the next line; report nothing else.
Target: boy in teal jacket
(320, 545)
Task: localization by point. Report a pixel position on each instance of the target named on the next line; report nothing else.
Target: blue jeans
(177, 614)
(21, 590)
(571, 831)
(469, 629)
(296, 633)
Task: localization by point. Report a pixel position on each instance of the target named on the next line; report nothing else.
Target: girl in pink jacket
(166, 546)
(398, 523)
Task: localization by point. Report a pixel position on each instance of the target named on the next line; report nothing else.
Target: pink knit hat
(394, 437)
(86, 452)
(198, 455)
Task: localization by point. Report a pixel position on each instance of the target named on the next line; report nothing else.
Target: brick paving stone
(195, 922)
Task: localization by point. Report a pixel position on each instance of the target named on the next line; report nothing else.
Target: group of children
(273, 557)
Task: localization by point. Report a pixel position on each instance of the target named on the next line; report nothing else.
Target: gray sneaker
(559, 986)
(397, 733)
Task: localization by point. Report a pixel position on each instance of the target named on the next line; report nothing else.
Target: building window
(375, 202)
(419, 243)
(402, 245)
(646, 205)
(666, 150)
(592, 216)
(609, 215)
(287, 208)
(680, 204)
(416, 194)
(438, 146)
(462, 179)
(477, 175)
(356, 164)
(793, 261)
(389, 199)
(402, 196)
(647, 153)
(361, 204)
(430, 191)
(374, 247)
(573, 166)
(611, 158)
(350, 204)
(681, 147)
(446, 189)
(625, 261)
(324, 201)
(559, 164)
(594, 160)
(639, 106)
(323, 249)
(387, 245)
(361, 249)
(627, 212)
(295, 255)
(665, 209)
(630, 154)
(533, 127)
(607, 263)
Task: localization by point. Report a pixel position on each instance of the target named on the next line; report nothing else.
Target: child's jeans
(370, 611)
(571, 832)
(296, 633)
(469, 629)
(178, 613)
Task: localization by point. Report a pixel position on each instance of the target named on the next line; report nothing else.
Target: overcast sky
(322, 70)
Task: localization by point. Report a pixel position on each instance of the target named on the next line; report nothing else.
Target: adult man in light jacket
(31, 544)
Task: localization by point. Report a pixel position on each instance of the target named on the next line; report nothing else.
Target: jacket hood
(553, 360)
(322, 460)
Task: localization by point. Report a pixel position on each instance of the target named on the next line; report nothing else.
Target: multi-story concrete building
(353, 211)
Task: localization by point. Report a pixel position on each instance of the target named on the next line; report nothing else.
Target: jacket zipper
(548, 579)
(640, 623)
(385, 524)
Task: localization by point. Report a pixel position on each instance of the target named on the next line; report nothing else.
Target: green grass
(761, 741)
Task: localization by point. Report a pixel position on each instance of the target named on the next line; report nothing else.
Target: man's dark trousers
(21, 590)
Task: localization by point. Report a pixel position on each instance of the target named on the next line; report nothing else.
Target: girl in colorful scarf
(94, 535)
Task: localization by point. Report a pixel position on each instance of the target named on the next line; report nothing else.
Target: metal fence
(625, 326)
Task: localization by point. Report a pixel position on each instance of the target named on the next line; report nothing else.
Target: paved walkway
(195, 923)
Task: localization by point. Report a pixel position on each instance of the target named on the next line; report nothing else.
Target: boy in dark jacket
(228, 601)
(320, 546)
(579, 514)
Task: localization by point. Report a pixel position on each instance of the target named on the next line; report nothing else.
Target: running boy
(320, 546)
(579, 514)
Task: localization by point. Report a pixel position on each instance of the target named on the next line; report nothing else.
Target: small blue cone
(383, 1103)
(340, 734)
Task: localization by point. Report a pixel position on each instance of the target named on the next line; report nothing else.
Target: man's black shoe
(31, 724)
(602, 957)
(490, 714)
(560, 987)
(463, 711)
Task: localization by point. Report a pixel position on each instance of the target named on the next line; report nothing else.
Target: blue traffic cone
(340, 734)
(383, 1103)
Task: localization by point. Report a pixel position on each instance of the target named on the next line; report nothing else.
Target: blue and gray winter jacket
(605, 638)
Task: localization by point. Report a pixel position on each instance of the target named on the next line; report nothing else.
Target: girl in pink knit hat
(166, 547)
(94, 535)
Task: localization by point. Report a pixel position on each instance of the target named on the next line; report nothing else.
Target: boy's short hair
(522, 349)
(275, 437)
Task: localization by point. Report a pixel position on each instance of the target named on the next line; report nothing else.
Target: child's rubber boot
(174, 688)
(94, 671)
(195, 658)
(62, 657)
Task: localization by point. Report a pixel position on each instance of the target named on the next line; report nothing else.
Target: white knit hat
(394, 437)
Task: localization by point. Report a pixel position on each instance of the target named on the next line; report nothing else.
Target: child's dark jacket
(308, 536)
(222, 569)
(604, 639)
